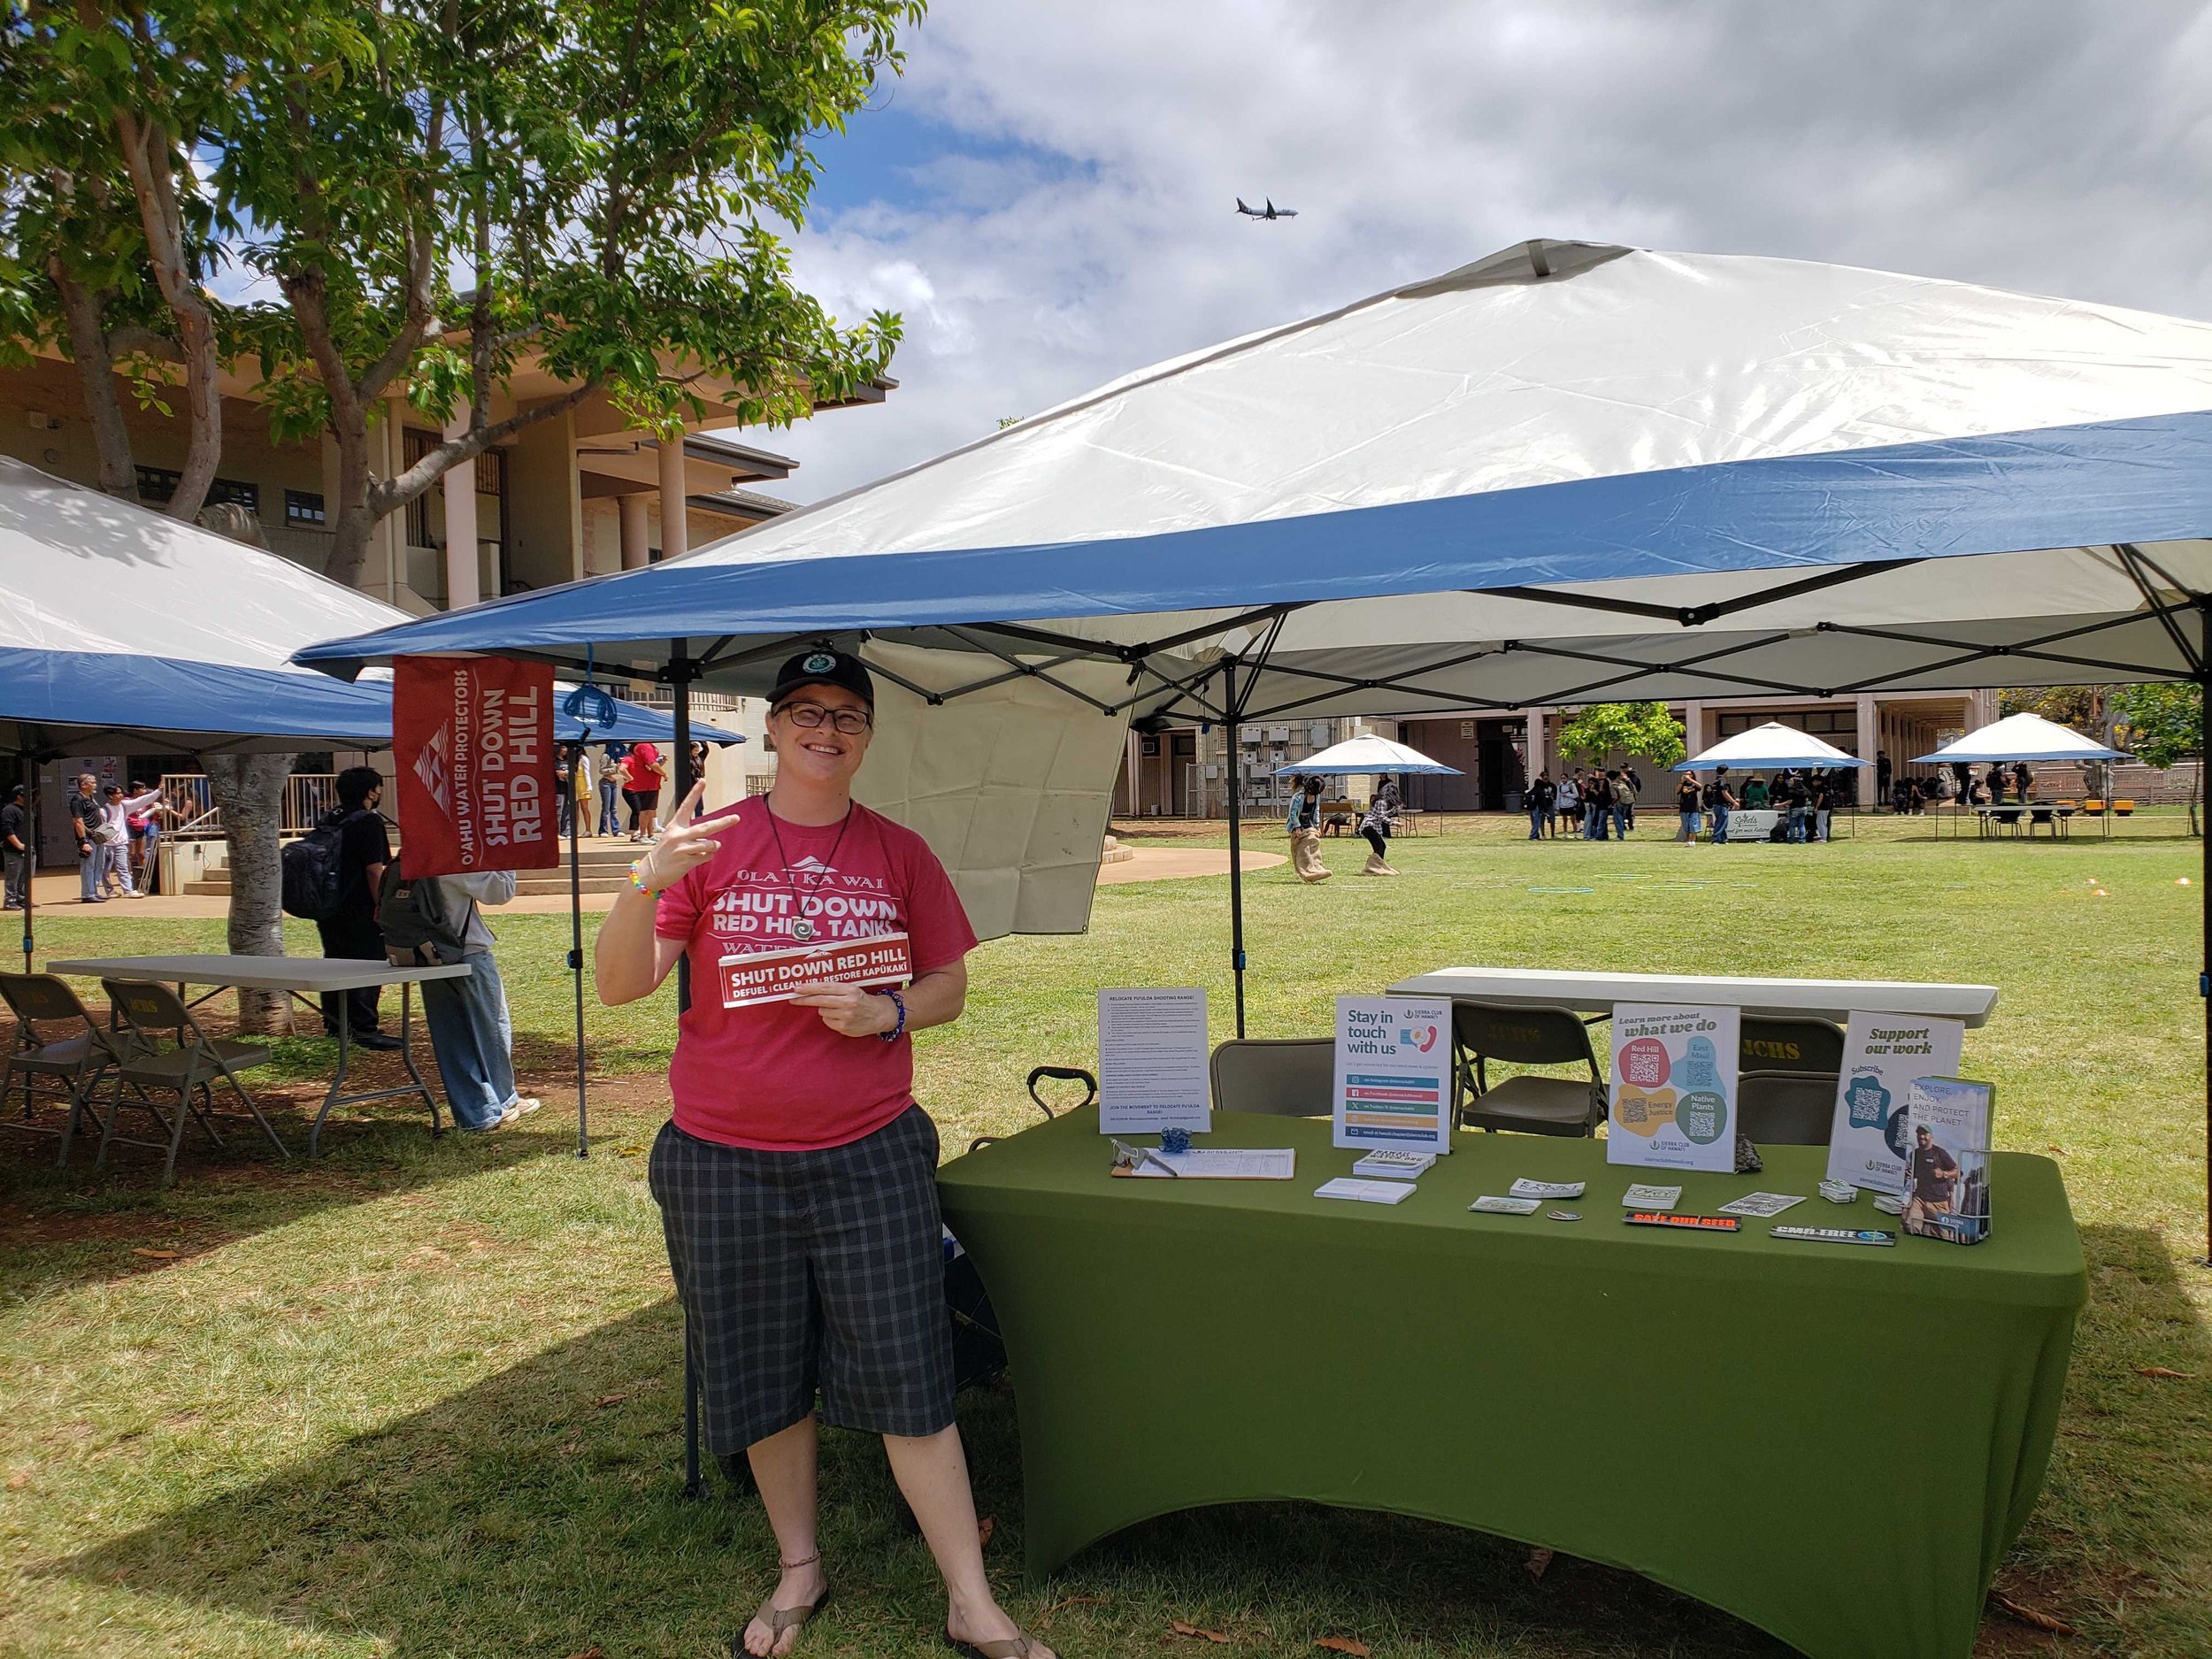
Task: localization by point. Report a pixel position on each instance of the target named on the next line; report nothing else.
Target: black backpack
(420, 929)
(314, 882)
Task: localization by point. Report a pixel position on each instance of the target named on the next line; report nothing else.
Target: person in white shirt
(471, 1033)
(115, 852)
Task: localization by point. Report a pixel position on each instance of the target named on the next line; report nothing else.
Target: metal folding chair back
(57, 1040)
(1787, 1109)
(1773, 1042)
(1530, 1104)
(1286, 1077)
(163, 1049)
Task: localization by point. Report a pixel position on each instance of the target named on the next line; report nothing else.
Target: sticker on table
(750, 979)
(1882, 1054)
(1527, 1188)
(1643, 1196)
(1394, 1074)
(1491, 1204)
(1759, 1204)
(1671, 1103)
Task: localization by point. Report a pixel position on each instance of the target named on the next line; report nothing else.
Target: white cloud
(2051, 145)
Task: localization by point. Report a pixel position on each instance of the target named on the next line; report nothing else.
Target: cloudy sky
(1047, 194)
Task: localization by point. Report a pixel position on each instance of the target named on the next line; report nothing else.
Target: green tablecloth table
(1836, 1443)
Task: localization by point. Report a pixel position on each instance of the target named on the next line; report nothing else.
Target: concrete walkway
(55, 893)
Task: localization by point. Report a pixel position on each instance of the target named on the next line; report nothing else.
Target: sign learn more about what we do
(1394, 1074)
(1672, 1102)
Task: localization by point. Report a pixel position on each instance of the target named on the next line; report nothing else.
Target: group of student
(1597, 804)
(1998, 786)
(1803, 801)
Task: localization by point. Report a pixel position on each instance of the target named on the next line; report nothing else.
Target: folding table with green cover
(1836, 1443)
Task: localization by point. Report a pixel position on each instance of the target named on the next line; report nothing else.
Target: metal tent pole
(1236, 856)
(2204, 970)
(576, 935)
(680, 672)
(30, 859)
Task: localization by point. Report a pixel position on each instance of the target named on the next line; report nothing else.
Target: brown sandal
(779, 1619)
(1014, 1646)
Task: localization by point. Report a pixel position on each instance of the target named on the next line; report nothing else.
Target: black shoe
(376, 1040)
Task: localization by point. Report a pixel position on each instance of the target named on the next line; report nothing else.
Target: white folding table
(301, 977)
(1597, 993)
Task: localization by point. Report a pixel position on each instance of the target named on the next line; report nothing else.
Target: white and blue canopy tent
(2027, 736)
(1368, 753)
(1771, 747)
(1566, 472)
(119, 626)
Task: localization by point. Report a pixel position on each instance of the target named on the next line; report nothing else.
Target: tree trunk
(355, 521)
(250, 789)
(95, 374)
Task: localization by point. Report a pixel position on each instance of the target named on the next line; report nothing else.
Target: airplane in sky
(1269, 211)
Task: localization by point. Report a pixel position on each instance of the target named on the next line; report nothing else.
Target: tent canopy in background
(1370, 754)
(1768, 747)
(123, 627)
(2020, 737)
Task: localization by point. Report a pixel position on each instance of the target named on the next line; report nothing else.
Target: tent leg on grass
(576, 946)
(679, 681)
(1236, 855)
(2204, 969)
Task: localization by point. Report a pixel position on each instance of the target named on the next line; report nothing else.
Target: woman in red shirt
(642, 776)
(797, 1178)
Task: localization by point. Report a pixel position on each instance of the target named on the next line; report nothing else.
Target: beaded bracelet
(898, 1002)
(637, 878)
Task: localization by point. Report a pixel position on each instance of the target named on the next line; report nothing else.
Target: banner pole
(679, 686)
(1236, 855)
(576, 934)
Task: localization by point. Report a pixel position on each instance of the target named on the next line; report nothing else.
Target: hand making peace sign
(683, 845)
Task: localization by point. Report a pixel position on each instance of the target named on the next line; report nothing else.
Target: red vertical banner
(472, 741)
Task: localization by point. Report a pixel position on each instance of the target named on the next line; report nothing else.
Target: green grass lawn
(424, 1398)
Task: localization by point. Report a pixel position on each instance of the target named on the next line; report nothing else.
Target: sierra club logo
(821, 663)
(430, 768)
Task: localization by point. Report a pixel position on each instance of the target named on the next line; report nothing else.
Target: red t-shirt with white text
(771, 1076)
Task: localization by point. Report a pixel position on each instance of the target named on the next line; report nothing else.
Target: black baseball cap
(824, 667)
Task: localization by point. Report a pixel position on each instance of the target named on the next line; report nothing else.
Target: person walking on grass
(1380, 819)
(1689, 801)
(1624, 802)
(1569, 802)
(351, 932)
(1304, 824)
(437, 921)
(1720, 801)
(797, 1178)
(1541, 794)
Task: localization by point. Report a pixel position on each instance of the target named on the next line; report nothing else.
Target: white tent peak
(2025, 736)
(1367, 753)
(1766, 747)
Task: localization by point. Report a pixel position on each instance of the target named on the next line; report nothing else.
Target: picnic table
(1597, 993)
(1836, 1444)
(302, 977)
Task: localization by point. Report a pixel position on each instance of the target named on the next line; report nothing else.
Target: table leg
(337, 1083)
(407, 1054)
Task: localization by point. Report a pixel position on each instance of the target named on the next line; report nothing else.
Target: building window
(303, 508)
(159, 483)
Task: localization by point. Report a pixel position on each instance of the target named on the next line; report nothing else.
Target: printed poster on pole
(1394, 1074)
(1672, 1103)
(473, 745)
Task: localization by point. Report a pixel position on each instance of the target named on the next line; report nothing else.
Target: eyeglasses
(851, 722)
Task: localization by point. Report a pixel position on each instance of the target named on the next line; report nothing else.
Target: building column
(1694, 726)
(1869, 746)
(462, 587)
(636, 532)
(1532, 740)
(675, 528)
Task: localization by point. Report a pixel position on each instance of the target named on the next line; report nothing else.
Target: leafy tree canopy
(2159, 724)
(1624, 728)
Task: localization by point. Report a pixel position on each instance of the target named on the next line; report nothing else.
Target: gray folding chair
(1529, 1103)
(1288, 1077)
(1787, 1109)
(162, 1048)
(58, 1043)
(1795, 1042)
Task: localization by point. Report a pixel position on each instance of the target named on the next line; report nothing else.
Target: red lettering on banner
(472, 741)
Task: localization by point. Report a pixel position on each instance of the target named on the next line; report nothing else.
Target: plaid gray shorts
(800, 1269)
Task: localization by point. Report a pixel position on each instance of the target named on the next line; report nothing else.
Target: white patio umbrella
(1769, 748)
(1368, 754)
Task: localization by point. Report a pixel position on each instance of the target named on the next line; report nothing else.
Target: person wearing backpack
(1720, 801)
(437, 921)
(349, 928)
